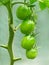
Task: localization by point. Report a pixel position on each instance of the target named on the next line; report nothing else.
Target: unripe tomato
(27, 26)
(23, 12)
(31, 54)
(28, 42)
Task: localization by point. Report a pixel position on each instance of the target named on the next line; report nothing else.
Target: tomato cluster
(27, 27)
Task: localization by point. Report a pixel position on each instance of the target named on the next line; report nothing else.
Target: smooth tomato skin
(23, 12)
(31, 54)
(28, 42)
(27, 26)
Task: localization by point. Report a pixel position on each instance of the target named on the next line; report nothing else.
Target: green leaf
(32, 1)
(42, 5)
(0, 3)
(47, 3)
(4, 1)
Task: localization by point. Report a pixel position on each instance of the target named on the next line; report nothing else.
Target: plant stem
(17, 27)
(11, 32)
(18, 3)
(24, 1)
(29, 5)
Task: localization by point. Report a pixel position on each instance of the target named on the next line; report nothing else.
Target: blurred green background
(42, 39)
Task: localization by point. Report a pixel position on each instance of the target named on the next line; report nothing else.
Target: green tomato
(23, 12)
(27, 26)
(28, 42)
(31, 54)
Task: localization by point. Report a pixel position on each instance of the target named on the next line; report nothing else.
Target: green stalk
(24, 1)
(11, 32)
(29, 5)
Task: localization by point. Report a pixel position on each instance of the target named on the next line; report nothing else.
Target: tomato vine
(27, 27)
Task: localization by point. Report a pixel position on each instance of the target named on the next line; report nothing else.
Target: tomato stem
(17, 27)
(11, 33)
(29, 5)
(16, 59)
(4, 46)
(24, 1)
